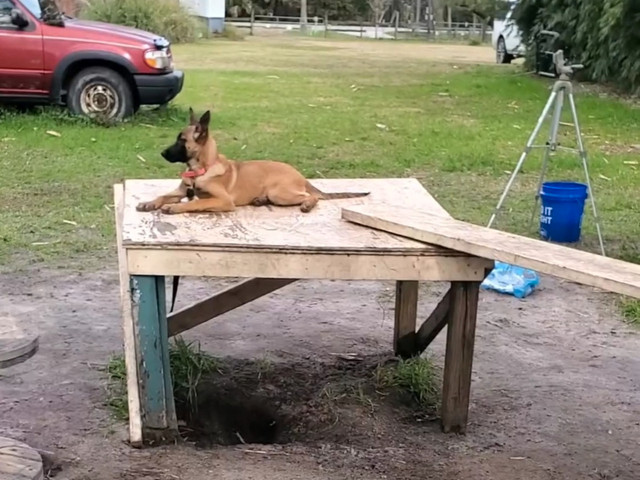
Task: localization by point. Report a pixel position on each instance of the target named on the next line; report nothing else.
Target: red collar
(194, 173)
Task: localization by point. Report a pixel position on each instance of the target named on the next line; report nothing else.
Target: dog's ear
(205, 119)
(192, 117)
(202, 127)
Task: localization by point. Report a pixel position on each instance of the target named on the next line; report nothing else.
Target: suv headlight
(158, 59)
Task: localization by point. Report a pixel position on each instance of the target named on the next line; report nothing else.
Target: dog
(222, 184)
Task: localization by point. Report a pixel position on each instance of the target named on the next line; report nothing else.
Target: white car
(505, 38)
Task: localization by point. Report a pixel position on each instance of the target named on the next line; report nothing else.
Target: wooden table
(17, 460)
(272, 247)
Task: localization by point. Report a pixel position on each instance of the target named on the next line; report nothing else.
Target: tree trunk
(303, 16)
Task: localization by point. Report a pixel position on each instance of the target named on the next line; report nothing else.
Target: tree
(303, 16)
(602, 35)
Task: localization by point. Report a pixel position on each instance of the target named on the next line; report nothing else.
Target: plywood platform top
(552, 259)
(278, 228)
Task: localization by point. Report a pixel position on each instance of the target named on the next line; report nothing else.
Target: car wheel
(501, 52)
(100, 92)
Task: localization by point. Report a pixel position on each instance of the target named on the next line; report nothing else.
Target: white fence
(387, 30)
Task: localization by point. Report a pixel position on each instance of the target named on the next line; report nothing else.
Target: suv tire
(100, 92)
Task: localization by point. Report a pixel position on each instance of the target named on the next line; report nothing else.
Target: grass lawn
(334, 109)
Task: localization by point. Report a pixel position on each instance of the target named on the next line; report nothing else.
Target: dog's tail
(334, 195)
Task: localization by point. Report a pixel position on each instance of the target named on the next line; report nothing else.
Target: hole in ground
(227, 416)
(267, 402)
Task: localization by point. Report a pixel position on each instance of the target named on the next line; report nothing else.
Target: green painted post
(159, 423)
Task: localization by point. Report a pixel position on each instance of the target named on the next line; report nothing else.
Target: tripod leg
(523, 156)
(583, 156)
(551, 147)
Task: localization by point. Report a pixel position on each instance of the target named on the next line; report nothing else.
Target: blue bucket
(561, 211)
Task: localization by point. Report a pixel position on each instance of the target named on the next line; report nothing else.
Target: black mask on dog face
(176, 153)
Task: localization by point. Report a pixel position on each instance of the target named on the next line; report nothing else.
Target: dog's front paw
(171, 208)
(147, 206)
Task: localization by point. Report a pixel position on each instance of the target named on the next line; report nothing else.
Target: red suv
(95, 69)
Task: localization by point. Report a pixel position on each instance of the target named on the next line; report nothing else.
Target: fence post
(252, 20)
(361, 30)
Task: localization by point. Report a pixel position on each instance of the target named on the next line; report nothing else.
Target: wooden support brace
(159, 423)
(406, 311)
(459, 356)
(222, 302)
(433, 325)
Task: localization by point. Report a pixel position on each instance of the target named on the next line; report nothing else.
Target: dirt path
(555, 386)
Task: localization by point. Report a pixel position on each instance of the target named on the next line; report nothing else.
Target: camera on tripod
(551, 56)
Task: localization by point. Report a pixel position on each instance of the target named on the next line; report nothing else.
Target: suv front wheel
(100, 92)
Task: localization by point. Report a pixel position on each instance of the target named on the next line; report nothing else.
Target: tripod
(561, 88)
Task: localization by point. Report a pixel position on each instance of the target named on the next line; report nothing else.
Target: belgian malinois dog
(221, 184)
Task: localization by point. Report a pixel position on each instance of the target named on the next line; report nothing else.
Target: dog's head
(190, 140)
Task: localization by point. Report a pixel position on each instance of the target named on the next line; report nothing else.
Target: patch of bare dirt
(554, 394)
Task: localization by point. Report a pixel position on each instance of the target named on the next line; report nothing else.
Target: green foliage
(603, 35)
(163, 17)
(188, 365)
(631, 311)
(416, 377)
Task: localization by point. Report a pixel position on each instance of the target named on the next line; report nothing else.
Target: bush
(163, 17)
(603, 35)
(231, 32)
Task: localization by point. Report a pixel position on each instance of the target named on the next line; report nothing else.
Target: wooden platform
(318, 244)
(19, 461)
(271, 247)
(568, 263)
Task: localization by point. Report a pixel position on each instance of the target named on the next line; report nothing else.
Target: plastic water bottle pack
(510, 279)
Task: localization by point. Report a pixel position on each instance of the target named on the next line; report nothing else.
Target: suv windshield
(45, 10)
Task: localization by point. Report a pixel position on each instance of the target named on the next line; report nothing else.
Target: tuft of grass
(416, 377)
(117, 387)
(231, 32)
(631, 312)
(188, 365)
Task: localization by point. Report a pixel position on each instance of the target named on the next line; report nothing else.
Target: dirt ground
(554, 396)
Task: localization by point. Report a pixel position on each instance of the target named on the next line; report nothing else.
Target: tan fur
(228, 184)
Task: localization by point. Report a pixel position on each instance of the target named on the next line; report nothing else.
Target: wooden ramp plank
(544, 257)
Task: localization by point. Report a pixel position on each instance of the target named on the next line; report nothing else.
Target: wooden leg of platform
(404, 333)
(159, 424)
(459, 356)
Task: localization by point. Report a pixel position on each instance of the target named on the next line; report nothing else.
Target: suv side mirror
(18, 18)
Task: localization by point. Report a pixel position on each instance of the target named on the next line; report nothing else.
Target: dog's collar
(194, 173)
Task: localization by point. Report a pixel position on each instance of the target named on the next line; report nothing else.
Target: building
(211, 11)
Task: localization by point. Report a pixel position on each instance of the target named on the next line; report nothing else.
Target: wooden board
(128, 327)
(556, 260)
(305, 265)
(275, 228)
(19, 461)
(16, 343)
